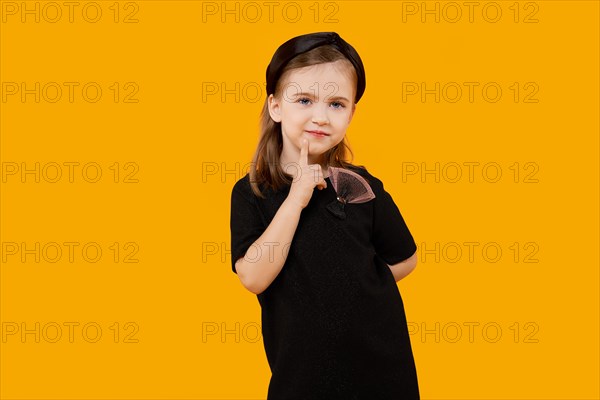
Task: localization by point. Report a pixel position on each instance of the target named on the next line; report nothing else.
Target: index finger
(304, 152)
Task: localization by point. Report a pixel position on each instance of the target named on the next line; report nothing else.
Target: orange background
(159, 314)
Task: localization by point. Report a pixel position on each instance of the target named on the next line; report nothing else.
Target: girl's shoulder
(243, 186)
(243, 183)
(365, 173)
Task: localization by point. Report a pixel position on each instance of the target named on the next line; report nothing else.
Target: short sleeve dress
(333, 320)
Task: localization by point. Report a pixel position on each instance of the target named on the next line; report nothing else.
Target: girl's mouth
(317, 133)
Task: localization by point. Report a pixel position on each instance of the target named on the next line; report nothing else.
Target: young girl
(319, 240)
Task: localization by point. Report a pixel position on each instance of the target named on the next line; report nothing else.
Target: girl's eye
(306, 101)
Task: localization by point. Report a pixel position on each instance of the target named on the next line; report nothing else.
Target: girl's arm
(404, 268)
(265, 257)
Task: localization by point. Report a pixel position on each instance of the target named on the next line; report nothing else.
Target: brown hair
(265, 167)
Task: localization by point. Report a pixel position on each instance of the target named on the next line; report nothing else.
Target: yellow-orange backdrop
(124, 126)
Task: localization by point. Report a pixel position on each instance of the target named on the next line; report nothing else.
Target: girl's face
(318, 98)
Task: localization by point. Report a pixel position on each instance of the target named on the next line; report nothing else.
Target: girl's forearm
(403, 268)
(266, 256)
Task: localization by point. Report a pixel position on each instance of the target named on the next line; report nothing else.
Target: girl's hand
(306, 178)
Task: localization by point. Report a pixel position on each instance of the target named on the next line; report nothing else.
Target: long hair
(265, 169)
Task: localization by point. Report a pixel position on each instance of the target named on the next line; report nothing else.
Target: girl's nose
(320, 116)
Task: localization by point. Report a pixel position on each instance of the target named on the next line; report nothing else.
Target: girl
(323, 263)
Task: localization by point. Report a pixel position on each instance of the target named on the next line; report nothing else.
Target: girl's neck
(324, 168)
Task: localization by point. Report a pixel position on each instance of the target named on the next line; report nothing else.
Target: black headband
(304, 43)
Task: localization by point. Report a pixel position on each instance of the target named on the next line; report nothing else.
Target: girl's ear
(274, 108)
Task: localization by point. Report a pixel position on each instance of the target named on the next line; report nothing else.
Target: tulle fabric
(350, 187)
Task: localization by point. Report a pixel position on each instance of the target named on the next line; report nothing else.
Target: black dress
(333, 320)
